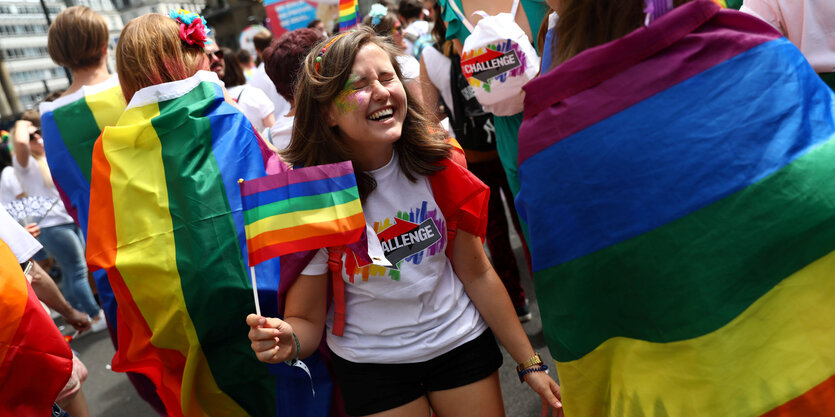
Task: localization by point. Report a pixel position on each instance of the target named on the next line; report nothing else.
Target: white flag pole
(255, 290)
(252, 274)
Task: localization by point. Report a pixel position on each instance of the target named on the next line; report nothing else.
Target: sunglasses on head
(217, 54)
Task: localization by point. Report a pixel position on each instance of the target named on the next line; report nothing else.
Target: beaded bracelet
(540, 368)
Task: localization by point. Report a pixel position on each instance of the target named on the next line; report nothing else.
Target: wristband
(541, 368)
(298, 346)
(533, 361)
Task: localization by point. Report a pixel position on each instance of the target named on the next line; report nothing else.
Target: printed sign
(405, 238)
(490, 64)
(287, 15)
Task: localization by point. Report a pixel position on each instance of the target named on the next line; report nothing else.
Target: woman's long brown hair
(584, 24)
(314, 142)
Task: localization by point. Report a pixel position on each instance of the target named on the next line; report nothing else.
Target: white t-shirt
(253, 102)
(22, 244)
(437, 67)
(280, 132)
(9, 186)
(412, 314)
(409, 67)
(31, 180)
(263, 82)
(809, 24)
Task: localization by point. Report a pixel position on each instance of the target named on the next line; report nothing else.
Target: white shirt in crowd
(417, 29)
(263, 82)
(809, 24)
(417, 312)
(32, 182)
(253, 102)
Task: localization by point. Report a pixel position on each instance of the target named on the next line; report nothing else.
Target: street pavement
(110, 393)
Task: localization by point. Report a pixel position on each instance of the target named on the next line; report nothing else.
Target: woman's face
(397, 35)
(35, 141)
(371, 108)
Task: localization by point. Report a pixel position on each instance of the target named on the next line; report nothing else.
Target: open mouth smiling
(383, 114)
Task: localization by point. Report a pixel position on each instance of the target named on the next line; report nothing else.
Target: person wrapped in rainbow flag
(676, 173)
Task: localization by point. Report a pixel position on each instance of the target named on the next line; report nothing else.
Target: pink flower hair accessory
(193, 29)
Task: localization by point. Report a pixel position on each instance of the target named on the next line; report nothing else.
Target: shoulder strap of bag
(460, 15)
(337, 288)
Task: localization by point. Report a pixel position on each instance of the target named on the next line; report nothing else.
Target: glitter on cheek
(349, 100)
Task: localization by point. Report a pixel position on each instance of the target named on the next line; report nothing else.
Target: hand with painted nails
(548, 390)
(272, 338)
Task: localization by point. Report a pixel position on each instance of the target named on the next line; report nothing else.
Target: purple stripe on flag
(583, 106)
(296, 176)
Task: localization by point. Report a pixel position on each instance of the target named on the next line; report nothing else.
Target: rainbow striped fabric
(166, 224)
(35, 361)
(349, 16)
(682, 217)
(71, 125)
(300, 210)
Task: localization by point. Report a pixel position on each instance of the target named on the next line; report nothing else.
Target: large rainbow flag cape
(349, 16)
(300, 210)
(167, 226)
(71, 125)
(681, 204)
(35, 361)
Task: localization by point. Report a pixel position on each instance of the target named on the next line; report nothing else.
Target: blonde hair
(77, 38)
(150, 52)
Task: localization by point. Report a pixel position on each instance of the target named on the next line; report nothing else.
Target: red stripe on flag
(164, 367)
(316, 242)
(818, 401)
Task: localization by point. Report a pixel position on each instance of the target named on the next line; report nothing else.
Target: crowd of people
(389, 96)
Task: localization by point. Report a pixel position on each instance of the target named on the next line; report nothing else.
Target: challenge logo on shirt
(405, 238)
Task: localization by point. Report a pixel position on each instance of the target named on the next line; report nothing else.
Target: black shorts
(370, 388)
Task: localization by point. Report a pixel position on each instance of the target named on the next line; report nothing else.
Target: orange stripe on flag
(134, 334)
(315, 242)
(305, 231)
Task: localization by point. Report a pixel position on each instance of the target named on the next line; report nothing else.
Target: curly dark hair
(283, 59)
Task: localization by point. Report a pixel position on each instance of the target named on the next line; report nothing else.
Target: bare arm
(304, 314)
(490, 297)
(430, 93)
(21, 142)
(268, 121)
(48, 292)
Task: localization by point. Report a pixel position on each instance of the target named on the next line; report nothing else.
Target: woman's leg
(480, 398)
(65, 244)
(416, 408)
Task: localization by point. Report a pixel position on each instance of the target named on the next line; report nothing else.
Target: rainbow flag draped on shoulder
(71, 125)
(682, 217)
(167, 226)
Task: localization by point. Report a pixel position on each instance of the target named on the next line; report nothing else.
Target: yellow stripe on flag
(777, 349)
(104, 108)
(299, 218)
(140, 198)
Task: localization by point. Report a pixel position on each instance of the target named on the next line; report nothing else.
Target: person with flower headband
(414, 335)
(155, 49)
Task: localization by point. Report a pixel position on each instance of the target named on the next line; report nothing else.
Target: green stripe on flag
(76, 121)
(214, 280)
(694, 275)
(310, 202)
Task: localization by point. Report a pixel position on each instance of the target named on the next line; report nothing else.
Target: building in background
(27, 74)
(129, 9)
(228, 18)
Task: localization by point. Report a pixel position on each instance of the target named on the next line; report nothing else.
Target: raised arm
(490, 297)
(22, 129)
(430, 93)
(304, 314)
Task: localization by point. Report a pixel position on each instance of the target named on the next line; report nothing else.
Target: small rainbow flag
(348, 14)
(679, 187)
(303, 209)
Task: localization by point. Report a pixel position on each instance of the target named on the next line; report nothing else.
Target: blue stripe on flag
(302, 189)
(666, 156)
